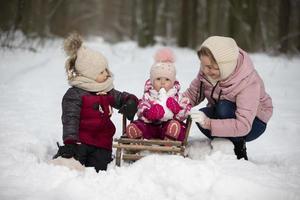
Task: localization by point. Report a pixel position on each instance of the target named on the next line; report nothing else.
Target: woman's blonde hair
(204, 51)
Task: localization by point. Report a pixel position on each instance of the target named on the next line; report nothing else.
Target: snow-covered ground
(31, 88)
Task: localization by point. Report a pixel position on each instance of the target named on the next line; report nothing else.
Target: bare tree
(269, 25)
(183, 27)
(284, 21)
(146, 15)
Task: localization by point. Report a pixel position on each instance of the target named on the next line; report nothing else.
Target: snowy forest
(270, 25)
(128, 33)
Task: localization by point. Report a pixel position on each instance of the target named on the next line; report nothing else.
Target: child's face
(162, 82)
(209, 68)
(102, 76)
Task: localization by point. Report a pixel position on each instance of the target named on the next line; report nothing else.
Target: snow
(31, 88)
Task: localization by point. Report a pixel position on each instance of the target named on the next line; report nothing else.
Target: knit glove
(202, 119)
(156, 112)
(173, 105)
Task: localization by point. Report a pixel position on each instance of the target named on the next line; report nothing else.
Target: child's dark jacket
(86, 116)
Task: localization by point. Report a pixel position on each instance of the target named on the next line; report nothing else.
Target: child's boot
(173, 129)
(133, 131)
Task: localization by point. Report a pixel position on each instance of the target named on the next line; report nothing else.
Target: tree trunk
(193, 24)
(133, 26)
(183, 27)
(284, 21)
(146, 11)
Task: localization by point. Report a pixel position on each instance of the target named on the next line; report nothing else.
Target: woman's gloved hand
(202, 119)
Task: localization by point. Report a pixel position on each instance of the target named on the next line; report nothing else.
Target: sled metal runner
(132, 149)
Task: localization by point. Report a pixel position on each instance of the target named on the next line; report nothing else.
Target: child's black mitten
(129, 108)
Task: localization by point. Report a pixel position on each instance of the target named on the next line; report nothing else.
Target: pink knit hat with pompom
(163, 65)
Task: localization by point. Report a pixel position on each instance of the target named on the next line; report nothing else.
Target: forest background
(271, 26)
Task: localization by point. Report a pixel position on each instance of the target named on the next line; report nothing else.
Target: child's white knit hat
(88, 62)
(164, 65)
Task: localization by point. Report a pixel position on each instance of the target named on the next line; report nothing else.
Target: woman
(238, 106)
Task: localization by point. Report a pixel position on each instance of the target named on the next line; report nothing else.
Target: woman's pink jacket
(244, 87)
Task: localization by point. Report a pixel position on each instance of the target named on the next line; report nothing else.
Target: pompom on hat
(89, 63)
(225, 52)
(163, 65)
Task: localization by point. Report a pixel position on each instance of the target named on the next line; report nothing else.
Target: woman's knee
(257, 129)
(208, 111)
(225, 109)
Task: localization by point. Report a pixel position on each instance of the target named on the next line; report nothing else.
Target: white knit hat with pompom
(164, 65)
(89, 63)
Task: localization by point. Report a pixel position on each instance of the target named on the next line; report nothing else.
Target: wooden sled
(131, 149)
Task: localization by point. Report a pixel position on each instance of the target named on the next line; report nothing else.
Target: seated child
(87, 106)
(162, 110)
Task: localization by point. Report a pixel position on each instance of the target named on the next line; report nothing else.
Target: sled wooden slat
(131, 149)
(118, 157)
(133, 157)
(148, 148)
(148, 142)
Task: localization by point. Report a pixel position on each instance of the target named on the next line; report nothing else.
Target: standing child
(86, 106)
(162, 109)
